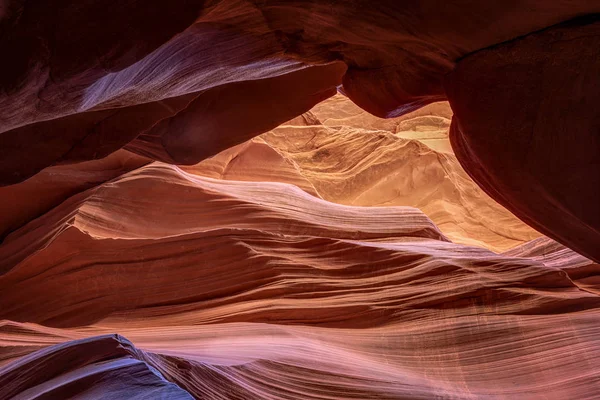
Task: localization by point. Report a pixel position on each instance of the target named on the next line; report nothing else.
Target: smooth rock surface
(527, 129)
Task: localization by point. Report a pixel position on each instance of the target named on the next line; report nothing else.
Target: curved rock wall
(155, 246)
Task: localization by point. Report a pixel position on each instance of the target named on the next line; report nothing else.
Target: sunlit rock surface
(260, 290)
(189, 210)
(270, 272)
(344, 155)
(86, 80)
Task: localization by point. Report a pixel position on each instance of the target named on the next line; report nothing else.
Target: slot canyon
(299, 199)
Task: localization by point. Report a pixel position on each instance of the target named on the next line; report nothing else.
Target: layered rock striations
(217, 73)
(236, 278)
(273, 200)
(235, 289)
(405, 161)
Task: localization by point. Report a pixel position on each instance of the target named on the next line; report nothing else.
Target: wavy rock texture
(166, 50)
(245, 290)
(86, 79)
(405, 161)
(30, 199)
(87, 368)
(336, 256)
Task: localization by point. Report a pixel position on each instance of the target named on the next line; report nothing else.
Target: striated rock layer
(87, 368)
(358, 159)
(247, 290)
(338, 255)
(27, 200)
(180, 83)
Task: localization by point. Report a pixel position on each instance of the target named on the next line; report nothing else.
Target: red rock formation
(28, 200)
(184, 129)
(296, 265)
(124, 72)
(379, 162)
(98, 367)
(231, 114)
(522, 129)
(259, 290)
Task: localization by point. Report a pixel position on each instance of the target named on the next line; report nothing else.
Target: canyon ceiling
(299, 199)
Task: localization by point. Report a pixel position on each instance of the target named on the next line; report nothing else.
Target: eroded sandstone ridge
(181, 82)
(274, 200)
